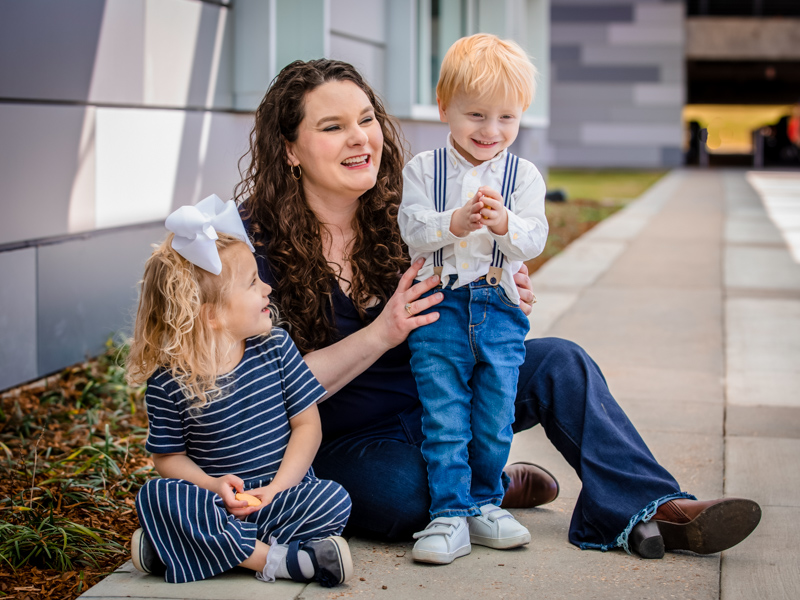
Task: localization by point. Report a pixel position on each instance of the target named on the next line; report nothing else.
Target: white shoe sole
(501, 543)
(346, 559)
(440, 558)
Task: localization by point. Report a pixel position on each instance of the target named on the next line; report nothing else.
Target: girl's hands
(395, 322)
(265, 494)
(226, 488)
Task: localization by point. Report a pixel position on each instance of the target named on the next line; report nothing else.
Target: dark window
(743, 8)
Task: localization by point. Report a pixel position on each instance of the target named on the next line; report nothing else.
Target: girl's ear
(210, 315)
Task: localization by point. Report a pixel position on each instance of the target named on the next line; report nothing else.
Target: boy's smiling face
(482, 127)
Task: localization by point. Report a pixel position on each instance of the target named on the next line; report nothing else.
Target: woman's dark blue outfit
(372, 435)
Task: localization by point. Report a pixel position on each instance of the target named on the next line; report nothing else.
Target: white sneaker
(497, 528)
(442, 541)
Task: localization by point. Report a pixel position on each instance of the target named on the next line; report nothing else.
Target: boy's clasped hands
(484, 208)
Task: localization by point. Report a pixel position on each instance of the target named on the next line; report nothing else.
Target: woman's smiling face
(339, 142)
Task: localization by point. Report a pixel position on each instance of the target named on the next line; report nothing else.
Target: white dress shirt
(425, 230)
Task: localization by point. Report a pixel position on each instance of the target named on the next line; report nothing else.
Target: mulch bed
(43, 424)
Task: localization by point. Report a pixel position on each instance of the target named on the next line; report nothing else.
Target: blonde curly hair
(172, 329)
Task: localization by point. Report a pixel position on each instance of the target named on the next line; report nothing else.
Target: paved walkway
(690, 302)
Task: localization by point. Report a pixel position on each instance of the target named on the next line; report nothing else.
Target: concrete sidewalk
(689, 300)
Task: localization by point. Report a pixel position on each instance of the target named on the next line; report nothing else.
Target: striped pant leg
(193, 535)
(313, 509)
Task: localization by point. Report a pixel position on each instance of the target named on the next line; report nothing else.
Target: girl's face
(339, 143)
(246, 309)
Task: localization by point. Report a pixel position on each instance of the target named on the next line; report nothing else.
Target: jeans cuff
(643, 516)
(456, 512)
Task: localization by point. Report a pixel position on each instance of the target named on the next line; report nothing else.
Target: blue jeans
(466, 365)
(560, 388)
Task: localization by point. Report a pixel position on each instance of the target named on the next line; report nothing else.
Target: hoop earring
(299, 172)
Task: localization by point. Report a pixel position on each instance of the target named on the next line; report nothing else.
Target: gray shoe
(331, 559)
(144, 554)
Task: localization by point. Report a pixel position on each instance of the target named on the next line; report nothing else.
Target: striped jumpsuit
(245, 432)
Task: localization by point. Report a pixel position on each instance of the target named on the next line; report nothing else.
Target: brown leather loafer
(530, 486)
(706, 527)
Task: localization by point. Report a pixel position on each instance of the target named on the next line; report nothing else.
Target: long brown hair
(274, 203)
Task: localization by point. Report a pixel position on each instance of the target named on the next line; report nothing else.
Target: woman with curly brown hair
(320, 197)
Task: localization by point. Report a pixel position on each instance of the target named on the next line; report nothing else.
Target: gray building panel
(369, 59)
(201, 87)
(609, 74)
(607, 156)
(216, 172)
(49, 138)
(363, 20)
(578, 34)
(565, 52)
(606, 54)
(566, 132)
(671, 156)
(87, 291)
(583, 94)
(595, 13)
(17, 317)
(48, 48)
(570, 115)
(644, 114)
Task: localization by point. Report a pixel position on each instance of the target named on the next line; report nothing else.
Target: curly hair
(172, 330)
(288, 230)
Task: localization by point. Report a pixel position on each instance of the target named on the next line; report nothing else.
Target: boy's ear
(442, 110)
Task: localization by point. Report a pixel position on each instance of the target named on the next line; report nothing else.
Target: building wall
(112, 113)
(115, 112)
(617, 83)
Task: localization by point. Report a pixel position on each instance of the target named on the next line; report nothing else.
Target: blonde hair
(484, 65)
(172, 329)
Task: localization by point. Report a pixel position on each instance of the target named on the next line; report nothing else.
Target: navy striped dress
(245, 432)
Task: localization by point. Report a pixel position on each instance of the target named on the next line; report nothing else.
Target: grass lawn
(592, 195)
(72, 445)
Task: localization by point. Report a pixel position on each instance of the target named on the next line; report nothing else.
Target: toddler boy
(474, 212)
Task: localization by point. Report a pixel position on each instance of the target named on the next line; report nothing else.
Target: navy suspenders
(440, 198)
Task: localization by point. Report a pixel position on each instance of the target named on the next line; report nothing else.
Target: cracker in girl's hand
(251, 500)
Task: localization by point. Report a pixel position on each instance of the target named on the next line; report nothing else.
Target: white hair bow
(195, 228)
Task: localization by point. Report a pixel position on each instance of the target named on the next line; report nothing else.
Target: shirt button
(464, 265)
(494, 167)
(439, 233)
(474, 173)
(463, 244)
(516, 235)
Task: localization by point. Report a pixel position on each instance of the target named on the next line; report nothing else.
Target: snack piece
(251, 500)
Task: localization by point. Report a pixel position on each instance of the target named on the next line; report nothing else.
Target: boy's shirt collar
(456, 158)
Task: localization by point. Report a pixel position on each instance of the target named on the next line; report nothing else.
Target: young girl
(232, 408)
